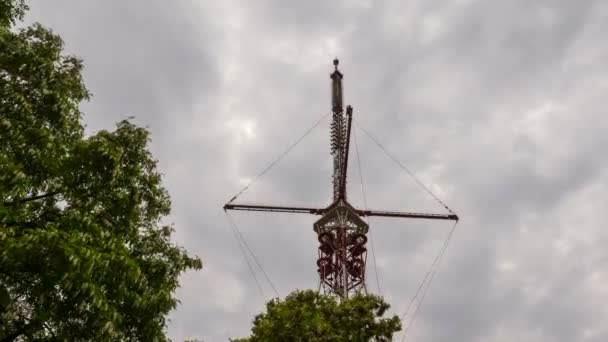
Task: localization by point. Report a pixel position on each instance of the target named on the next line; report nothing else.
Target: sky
(496, 106)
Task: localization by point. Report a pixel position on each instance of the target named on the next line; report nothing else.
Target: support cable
(371, 236)
(418, 181)
(238, 241)
(281, 156)
(426, 282)
(255, 259)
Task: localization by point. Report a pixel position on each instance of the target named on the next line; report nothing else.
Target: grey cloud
(139, 60)
(497, 103)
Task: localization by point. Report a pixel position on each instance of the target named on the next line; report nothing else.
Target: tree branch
(27, 224)
(30, 199)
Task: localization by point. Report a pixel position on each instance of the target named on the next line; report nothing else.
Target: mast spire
(338, 131)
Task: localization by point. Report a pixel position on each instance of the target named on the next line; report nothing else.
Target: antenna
(341, 231)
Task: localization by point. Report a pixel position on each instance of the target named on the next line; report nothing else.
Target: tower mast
(341, 231)
(337, 129)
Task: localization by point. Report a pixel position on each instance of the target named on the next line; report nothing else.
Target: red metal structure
(341, 231)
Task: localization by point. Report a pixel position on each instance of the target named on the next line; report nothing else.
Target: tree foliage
(10, 11)
(83, 252)
(311, 316)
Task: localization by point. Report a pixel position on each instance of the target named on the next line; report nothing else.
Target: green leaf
(316, 317)
(81, 243)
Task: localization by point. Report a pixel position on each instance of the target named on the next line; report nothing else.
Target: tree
(84, 254)
(11, 10)
(311, 316)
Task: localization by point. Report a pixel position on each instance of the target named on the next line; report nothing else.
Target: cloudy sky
(498, 106)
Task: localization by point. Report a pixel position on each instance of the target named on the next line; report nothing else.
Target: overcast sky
(498, 106)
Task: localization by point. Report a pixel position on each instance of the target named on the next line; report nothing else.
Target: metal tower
(341, 231)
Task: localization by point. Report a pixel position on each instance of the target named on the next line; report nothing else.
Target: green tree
(311, 316)
(84, 254)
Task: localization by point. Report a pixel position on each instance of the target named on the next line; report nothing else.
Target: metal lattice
(340, 230)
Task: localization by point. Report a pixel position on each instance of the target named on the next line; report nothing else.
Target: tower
(341, 231)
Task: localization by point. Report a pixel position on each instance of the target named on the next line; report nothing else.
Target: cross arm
(274, 209)
(452, 217)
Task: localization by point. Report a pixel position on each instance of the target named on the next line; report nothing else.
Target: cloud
(498, 106)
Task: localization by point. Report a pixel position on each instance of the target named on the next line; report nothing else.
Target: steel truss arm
(273, 209)
(452, 217)
(320, 211)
